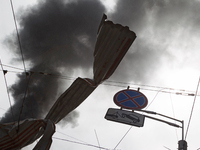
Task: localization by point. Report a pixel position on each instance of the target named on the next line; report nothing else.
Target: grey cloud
(158, 25)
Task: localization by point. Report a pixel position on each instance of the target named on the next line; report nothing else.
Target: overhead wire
(38, 72)
(11, 109)
(121, 84)
(117, 83)
(23, 61)
(150, 88)
(143, 85)
(192, 109)
(154, 98)
(81, 143)
(12, 67)
(123, 137)
(97, 139)
(72, 137)
(20, 45)
(173, 114)
(112, 83)
(166, 147)
(26, 91)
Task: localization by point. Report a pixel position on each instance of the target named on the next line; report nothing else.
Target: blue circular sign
(130, 99)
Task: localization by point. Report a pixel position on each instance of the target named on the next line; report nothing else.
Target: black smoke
(54, 35)
(59, 35)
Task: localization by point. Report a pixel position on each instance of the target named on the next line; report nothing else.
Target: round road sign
(130, 99)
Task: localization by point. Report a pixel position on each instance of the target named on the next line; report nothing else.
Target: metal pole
(182, 144)
(182, 130)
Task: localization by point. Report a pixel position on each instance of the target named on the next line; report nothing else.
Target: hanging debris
(113, 41)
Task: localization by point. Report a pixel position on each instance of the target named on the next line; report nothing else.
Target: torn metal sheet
(113, 41)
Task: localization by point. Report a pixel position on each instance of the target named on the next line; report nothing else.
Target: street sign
(124, 116)
(130, 99)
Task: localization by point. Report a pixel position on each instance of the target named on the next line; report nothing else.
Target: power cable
(185, 93)
(11, 109)
(12, 67)
(39, 72)
(192, 109)
(142, 85)
(166, 147)
(123, 137)
(119, 84)
(17, 72)
(26, 91)
(4, 73)
(72, 137)
(112, 83)
(97, 139)
(80, 143)
(20, 46)
(173, 114)
(154, 98)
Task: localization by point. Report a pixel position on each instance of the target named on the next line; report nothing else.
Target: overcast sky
(58, 37)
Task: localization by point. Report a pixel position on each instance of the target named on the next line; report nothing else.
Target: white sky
(178, 69)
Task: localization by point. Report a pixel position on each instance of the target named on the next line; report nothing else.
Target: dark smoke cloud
(54, 35)
(156, 24)
(142, 59)
(57, 35)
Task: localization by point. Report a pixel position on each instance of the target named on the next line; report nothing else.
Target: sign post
(128, 99)
(135, 100)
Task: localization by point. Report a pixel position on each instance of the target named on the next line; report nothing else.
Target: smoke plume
(59, 35)
(55, 36)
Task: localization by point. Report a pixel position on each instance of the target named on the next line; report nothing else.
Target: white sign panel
(124, 116)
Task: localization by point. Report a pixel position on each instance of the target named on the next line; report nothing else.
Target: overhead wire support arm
(170, 118)
(182, 144)
(155, 113)
(169, 123)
